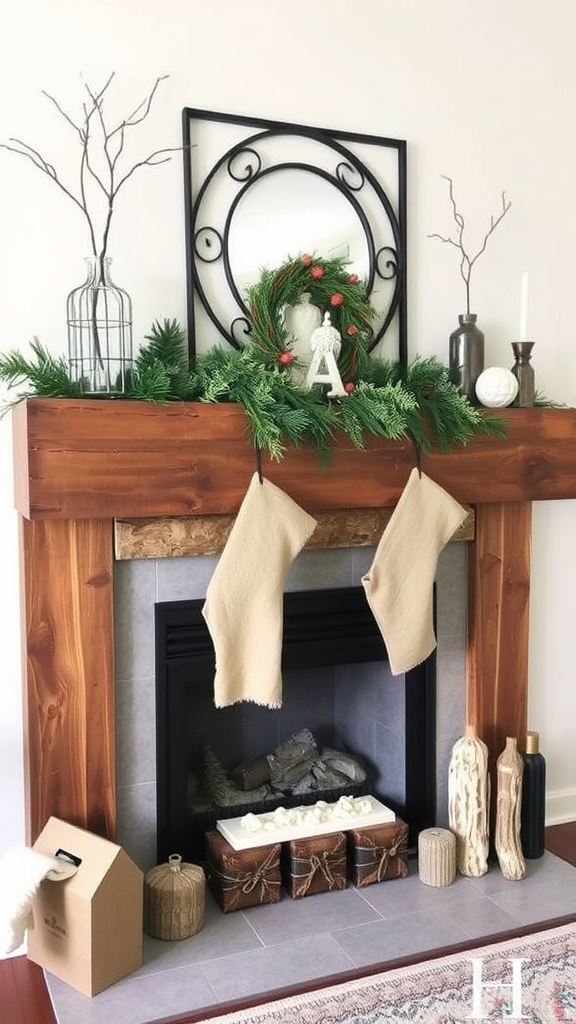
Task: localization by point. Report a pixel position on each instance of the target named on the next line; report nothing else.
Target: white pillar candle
(523, 335)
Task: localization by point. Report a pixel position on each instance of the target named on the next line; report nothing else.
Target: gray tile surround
(252, 952)
(140, 583)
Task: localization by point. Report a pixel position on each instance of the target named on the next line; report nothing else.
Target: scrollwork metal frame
(208, 243)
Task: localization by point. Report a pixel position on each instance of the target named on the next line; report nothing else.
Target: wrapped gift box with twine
(242, 878)
(378, 853)
(314, 865)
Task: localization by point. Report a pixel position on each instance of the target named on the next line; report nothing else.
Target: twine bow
(384, 854)
(323, 863)
(245, 882)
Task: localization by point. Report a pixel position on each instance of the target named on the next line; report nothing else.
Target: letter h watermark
(515, 985)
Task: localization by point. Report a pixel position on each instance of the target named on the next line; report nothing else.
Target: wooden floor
(24, 998)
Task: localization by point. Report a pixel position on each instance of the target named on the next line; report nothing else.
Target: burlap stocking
(399, 583)
(243, 607)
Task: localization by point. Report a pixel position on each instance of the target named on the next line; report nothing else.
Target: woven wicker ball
(174, 899)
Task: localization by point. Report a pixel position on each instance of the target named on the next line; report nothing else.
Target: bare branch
(150, 161)
(98, 108)
(493, 224)
(457, 216)
(97, 97)
(442, 238)
(61, 111)
(93, 115)
(133, 118)
(84, 166)
(42, 165)
(466, 261)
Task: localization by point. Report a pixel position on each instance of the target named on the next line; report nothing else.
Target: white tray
(242, 839)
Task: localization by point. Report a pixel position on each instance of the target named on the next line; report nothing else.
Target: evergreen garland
(419, 401)
(440, 411)
(278, 411)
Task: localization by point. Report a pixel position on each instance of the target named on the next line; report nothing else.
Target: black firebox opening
(333, 653)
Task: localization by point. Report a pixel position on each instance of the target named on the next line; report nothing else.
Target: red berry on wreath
(317, 272)
(336, 299)
(306, 259)
(349, 387)
(285, 358)
(353, 278)
(351, 330)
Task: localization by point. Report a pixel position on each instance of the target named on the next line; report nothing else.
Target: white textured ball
(496, 387)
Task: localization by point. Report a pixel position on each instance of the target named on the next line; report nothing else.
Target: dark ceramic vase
(467, 355)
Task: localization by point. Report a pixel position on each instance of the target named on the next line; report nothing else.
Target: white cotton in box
(87, 929)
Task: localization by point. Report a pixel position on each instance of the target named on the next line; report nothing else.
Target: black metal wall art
(259, 192)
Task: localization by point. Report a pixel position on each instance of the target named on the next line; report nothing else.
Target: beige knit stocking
(243, 607)
(399, 583)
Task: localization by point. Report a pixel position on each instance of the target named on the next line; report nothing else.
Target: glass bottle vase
(99, 317)
(466, 355)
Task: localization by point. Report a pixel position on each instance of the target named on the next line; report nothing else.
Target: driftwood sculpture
(508, 807)
(469, 803)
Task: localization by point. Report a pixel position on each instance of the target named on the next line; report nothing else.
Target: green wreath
(332, 288)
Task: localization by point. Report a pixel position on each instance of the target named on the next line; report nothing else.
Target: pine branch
(151, 383)
(45, 375)
(166, 341)
(380, 411)
(161, 371)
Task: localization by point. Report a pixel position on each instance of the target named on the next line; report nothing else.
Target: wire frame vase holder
(99, 316)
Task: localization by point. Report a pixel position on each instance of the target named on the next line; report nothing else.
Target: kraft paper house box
(88, 929)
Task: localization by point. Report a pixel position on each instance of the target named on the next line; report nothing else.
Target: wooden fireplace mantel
(81, 464)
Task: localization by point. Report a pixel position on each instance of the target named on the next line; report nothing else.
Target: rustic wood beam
(80, 459)
(498, 622)
(69, 674)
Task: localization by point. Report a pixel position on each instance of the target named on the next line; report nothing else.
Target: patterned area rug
(531, 978)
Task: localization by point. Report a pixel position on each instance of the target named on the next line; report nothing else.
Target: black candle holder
(524, 373)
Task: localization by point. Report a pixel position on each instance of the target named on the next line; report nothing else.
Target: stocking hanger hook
(417, 454)
(259, 463)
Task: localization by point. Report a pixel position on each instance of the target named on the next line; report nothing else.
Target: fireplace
(337, 688)
(82, 465)
(142, 584)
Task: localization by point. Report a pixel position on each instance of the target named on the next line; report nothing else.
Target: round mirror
(260, 193)
(289, 212)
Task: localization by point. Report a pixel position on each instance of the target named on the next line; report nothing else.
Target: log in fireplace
(329, 637)
(79, 465)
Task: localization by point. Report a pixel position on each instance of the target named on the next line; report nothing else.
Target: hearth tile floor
(258, 950)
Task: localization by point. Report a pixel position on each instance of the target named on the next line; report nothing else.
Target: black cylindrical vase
(533, 809)
(466, 355)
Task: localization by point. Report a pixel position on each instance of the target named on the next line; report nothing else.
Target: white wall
(484, 92)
